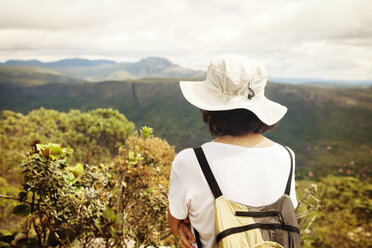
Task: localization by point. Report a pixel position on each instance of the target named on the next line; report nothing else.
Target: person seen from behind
(250, 171)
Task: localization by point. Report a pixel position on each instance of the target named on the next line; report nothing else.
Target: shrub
(144, 165)
(95, 136)
(65, 205)
(60, 202)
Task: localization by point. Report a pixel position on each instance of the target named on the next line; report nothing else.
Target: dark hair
(234, 122)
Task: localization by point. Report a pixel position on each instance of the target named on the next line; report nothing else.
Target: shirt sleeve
(177, 196)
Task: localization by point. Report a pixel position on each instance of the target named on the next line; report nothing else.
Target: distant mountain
(154, 62)
(323, 83)
(101, 70)
(33, 62)
(159, 67)
(60, 63)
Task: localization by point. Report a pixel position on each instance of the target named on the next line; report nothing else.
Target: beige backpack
(238, 225)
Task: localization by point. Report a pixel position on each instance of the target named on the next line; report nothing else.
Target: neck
(246, 140)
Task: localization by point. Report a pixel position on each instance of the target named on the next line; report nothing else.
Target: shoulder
(288, 154)
(289, 150)
(184, 156)
(285, 153)
(283, 148)
(184, 160)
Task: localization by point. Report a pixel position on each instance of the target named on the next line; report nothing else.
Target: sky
(329, 39)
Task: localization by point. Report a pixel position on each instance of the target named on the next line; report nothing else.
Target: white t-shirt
(250, 176)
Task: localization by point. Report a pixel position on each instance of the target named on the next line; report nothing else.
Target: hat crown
(233, 75)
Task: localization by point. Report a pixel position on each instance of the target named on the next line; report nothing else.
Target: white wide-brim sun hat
(234, 82)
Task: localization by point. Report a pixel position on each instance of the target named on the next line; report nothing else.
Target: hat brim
(200, 95)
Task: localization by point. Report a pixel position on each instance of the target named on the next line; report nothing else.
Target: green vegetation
(114, 187)
(7, 220)
(342, 217)
(68, 205)
(144, 163)
(329, 129)
(60, 202)
(95, 136)
(31, 75)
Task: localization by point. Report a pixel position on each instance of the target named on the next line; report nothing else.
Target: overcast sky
(292, 38)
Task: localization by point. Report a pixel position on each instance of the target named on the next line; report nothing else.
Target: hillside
(31, 75)
(100, 70)
(329, 129)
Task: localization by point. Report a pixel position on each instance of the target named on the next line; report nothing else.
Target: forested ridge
(321, 125)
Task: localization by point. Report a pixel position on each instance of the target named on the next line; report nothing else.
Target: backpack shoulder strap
(197, 237)
(207, 172)
(289, 182)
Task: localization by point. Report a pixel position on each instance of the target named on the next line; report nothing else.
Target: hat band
(246, 93)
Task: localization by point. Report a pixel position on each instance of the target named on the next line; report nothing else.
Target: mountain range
(323, 83)
(77, 70)
(103, 70)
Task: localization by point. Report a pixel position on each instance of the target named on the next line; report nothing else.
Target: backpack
(238, 225)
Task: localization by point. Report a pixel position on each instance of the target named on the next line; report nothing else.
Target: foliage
(144, 165)
(67, 205)
(306, 210)
(344, 220)
(341, 218)
(59, 202)
(6, 206)
(95, 136)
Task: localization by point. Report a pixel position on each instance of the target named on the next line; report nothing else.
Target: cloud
(328, 39)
